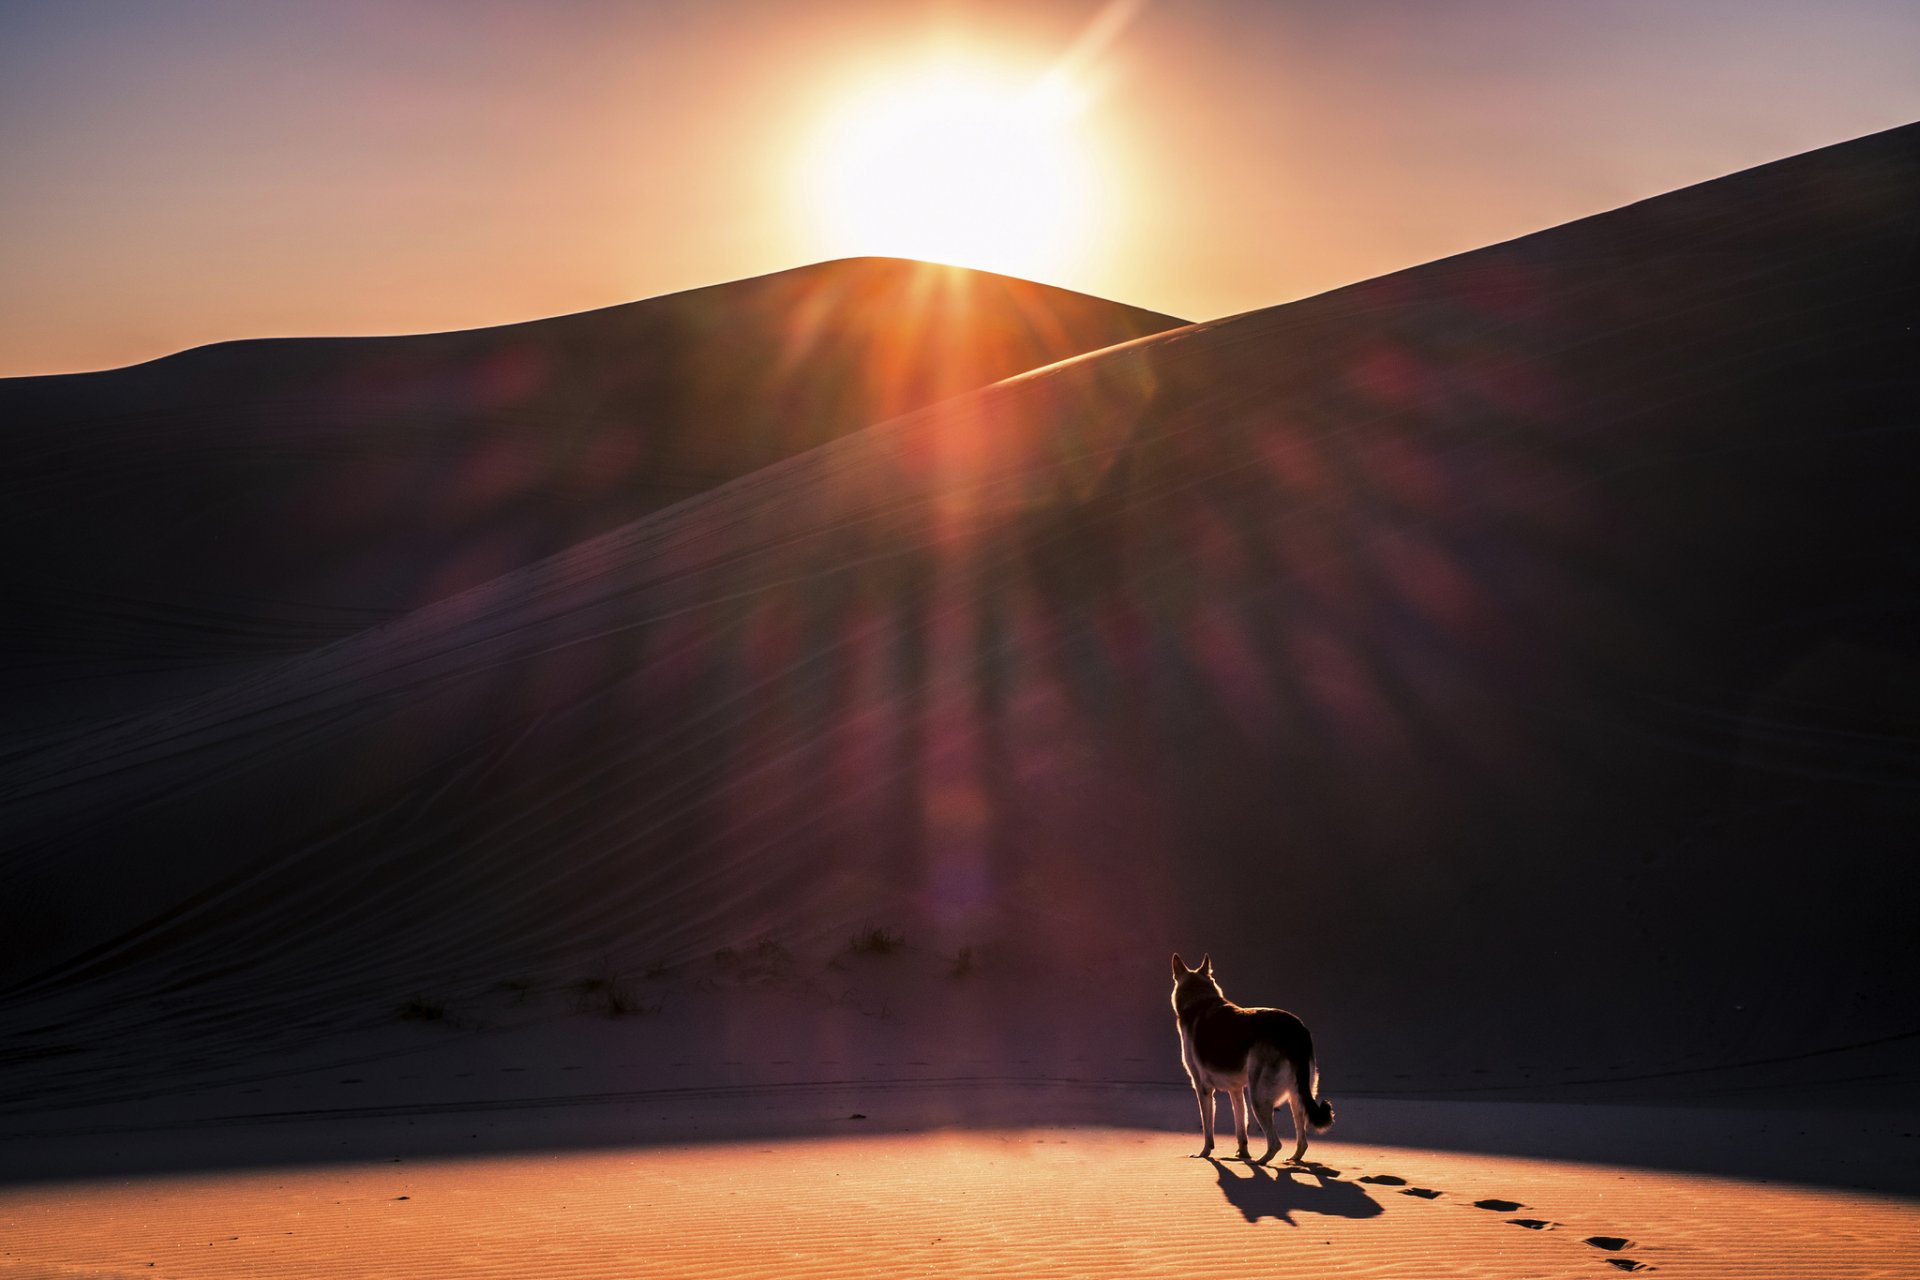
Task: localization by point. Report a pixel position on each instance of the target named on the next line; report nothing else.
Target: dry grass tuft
(875, 941)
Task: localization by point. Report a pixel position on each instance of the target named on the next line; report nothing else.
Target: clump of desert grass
(419, 1008)
(767, 961)
(876, 941)
(607, 995)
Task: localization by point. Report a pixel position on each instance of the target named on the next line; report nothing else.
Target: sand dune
(167, 523)
(1507, 664)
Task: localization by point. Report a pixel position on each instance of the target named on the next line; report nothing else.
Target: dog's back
(1227, 1035)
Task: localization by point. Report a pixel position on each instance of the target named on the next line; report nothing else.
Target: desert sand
(1023, 1202)
(1507, 664)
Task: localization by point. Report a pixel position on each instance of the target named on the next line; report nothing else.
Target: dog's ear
(1179, 967)
(1206, 965)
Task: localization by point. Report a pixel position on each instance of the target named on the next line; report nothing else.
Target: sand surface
(1023, 1202)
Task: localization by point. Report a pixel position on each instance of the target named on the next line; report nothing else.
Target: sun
(957, 165)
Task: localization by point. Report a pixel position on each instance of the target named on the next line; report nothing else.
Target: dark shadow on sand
(1261, 1191)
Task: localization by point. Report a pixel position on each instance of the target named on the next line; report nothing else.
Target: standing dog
(1266, 1051)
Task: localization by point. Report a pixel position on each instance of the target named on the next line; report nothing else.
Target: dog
(1265, 1053)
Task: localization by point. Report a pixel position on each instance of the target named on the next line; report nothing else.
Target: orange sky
(209, 169)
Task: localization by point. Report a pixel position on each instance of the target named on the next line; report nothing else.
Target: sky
(185, 172)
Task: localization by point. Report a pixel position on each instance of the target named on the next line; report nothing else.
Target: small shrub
(420, 1009)
(875, 941)
(606, 995)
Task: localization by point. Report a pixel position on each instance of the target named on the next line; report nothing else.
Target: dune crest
(168, 524)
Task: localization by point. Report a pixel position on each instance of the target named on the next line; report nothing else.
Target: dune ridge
(169, 524)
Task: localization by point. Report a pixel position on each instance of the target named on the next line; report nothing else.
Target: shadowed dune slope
(1516, 650)
(161, 522)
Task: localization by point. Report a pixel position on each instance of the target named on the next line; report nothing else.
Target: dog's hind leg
(1205, 1098)
(1238, 1096)
(1263, 1100)
(1266, 1082)
(1299, 1109)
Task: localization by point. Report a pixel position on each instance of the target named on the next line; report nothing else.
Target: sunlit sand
(1023, 1202)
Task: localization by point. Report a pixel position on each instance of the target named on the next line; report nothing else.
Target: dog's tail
(1319, 1110)
(1319, 1114)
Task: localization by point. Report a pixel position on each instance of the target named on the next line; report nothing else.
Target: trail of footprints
(1606, 1244)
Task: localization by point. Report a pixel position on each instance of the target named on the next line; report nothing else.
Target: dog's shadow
(1259, 1191)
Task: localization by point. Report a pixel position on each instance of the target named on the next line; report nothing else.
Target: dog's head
(1190, 985)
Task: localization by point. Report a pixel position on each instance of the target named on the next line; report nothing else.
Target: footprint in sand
(1388, 1180)
(1612, 1244)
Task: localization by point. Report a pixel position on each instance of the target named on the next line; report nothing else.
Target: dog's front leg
(1205, 1098)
